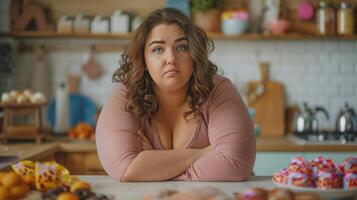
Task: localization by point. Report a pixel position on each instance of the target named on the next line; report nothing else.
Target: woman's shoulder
(220, 83)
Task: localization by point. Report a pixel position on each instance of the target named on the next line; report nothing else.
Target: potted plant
(206, 14)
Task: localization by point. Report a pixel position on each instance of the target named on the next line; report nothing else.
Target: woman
(171, 117)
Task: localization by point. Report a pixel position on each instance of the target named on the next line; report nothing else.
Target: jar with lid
(345, 19)
(325, 19)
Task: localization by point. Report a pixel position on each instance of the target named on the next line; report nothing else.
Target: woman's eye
(182, 48)
(158, 50)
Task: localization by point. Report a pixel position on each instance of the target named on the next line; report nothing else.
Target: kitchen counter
(33, 151)
(129, 191)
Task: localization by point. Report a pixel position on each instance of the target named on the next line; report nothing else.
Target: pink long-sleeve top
(225, 125)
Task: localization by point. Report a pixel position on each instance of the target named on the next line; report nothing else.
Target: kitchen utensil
(92, 68)
(267, 98)
(306, 121)
(345, 120)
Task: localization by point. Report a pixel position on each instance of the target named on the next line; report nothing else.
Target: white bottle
(62, 109)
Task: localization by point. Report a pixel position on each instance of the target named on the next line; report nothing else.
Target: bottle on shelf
(345, 19)
(326, 19)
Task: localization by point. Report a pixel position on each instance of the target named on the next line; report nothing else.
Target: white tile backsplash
(321, 72)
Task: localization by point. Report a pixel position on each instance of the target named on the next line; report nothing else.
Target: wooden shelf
(214, 36)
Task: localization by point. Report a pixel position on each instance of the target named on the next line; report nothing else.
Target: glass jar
(345, 19)
(326, 20)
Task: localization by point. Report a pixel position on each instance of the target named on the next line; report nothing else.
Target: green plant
(205, 5)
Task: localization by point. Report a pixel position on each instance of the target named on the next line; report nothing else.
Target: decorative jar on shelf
(234, 22)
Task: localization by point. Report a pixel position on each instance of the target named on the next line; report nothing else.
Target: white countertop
(137, 190)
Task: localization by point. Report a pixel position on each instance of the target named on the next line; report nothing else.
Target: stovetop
(325, 137)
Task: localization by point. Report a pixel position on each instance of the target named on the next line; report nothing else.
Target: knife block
(13, 129)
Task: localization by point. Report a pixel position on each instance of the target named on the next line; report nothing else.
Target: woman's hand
(144, 142)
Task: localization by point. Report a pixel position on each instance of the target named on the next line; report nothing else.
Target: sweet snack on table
(349, 165)
(299, 179)
(275, 194)
(12, 186)
(281, 176)
(50, 178)
(300, 165)
(67, 196)
(80, 185)
(328, 180)
(350, 181)
(315, 165)
(306, 196)
(26, 170)
(253, 194)
(197, 193)
(48, 175)
(281, 194)
(320, 173)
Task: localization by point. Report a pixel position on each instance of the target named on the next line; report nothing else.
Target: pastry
(306, 196)
(328, 180)
(299, 180)
(19, 191)
(67, 196)
(253, 194)
(4, 193)
(350, 181)
(10, 179)
(80, 185)
(280, 194)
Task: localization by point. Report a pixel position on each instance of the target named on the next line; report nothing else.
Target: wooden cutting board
(268, 99)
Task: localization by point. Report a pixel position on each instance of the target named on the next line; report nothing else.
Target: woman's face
(168, 58)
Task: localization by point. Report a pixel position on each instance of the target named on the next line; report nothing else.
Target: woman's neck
(173, 100)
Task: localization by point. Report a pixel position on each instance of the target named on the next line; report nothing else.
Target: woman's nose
(170, 56)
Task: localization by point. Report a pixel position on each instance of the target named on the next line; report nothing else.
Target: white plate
(324, 194)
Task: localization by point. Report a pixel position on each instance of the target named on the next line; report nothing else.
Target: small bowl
(234, 26)
(278, 27)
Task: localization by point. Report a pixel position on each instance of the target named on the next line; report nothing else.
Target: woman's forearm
(158, 165)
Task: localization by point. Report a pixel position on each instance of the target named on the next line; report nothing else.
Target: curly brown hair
(142, 101)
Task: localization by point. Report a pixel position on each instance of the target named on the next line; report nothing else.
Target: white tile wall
(320, 72)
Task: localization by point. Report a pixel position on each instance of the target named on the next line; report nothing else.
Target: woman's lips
(171, 72)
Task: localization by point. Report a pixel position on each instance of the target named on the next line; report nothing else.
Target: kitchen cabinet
(81, 163)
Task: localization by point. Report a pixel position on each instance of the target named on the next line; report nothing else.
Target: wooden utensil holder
(33, 130)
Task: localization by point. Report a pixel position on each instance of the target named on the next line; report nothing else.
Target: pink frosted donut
(350, 181)
(349, 165)
(281, 176)
(299, 180)
(328, 180)
(300, 165)
(327, 166)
